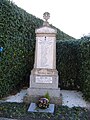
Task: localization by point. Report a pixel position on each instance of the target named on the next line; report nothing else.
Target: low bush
(19, 111)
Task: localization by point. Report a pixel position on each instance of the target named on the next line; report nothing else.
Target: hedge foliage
(17, 42)
(73, 65)
(69, 64)
(17, 37)
(85, 46)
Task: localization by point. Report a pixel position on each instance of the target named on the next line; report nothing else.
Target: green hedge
(73, 65)
(69, 64)
(17, 37)
(85, 46)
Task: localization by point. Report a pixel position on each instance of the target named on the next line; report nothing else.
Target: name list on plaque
(41, 79)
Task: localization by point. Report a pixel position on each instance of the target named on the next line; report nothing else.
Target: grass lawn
(19, 111)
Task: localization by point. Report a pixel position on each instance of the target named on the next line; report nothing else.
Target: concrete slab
(73, 98)
(70, 98)
(18, 97)
(34, 108)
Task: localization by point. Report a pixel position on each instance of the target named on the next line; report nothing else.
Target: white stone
(45, 29)
(43, 75)
(45, 52)
(18, 97)
(73, 98)
(42, 79)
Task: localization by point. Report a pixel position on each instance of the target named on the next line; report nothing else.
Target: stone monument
(44, 76)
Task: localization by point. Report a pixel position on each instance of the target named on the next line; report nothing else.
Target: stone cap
(46, 29)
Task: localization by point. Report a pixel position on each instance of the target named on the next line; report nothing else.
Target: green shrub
(85, 46)
(17, 37)
(47, 96)
(73, 65)
(69, 64)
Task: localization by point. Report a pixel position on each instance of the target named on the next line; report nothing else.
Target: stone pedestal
(44, 76)
(43, 81)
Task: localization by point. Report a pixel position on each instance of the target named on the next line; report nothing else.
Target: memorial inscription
(45, 51)
(41, 79)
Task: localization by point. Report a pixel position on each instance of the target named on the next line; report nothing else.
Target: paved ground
(73, 98)
(70, 98)
(18, 97)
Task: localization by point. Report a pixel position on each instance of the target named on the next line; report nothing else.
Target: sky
(70, 16)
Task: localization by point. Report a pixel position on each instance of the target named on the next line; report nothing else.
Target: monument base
(44, 78)
(42, 91)
(43, 81)
(29, 98)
